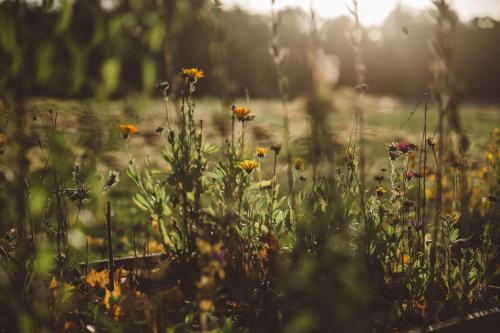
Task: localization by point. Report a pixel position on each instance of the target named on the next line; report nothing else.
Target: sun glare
(371, 11)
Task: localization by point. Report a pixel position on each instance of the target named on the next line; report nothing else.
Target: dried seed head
(276, 148)
(112, 179)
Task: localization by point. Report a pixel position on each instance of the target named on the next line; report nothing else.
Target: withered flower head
(276, 148)
(112, 179)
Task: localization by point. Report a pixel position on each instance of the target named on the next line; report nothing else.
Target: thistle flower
(299, 164)
(410, 174)
(380, 191)
(261, 151)
(393, 150)
(241, 113)
(405, 146)
(127, 130)
(193, 73)
(417, 225)
(248, 165)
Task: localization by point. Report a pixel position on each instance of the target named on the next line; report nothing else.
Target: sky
(372, 12)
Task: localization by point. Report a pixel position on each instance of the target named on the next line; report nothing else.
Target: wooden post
(110, 247)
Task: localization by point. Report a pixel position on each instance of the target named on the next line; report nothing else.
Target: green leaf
(110, 75)
(65, 18)
(262, 185)
(148, 74)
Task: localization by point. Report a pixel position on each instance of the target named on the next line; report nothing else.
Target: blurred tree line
(86, 47)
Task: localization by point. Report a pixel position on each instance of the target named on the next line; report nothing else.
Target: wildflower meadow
(197, 166)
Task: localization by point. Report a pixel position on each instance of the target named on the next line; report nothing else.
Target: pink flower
(410, 174)
(417, 225)
(405, 146)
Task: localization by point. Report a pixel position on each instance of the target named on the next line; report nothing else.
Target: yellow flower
(69, 325)
(248, 165)
(154, 221)
(490, 157)
(109, 295)
(449, 196)
(127, 130)
(193, 73)
(429, 194)
(95, 278)
(95, 241)
(240, 112)
(298, 164)
(261, 151)
(206, 305)
(53, 283)
(484, 172)
(380, 191)
(406, 259)
(155, 247)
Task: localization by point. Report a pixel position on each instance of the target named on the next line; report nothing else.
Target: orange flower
(248, 165)
(95, 278)
(193, 73)
(261, 151)
(380, 191)
(240, 112)
(127, 130)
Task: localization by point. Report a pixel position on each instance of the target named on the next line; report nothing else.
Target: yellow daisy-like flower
(193, 73)
(380, 191)
(261, 151)
(248, 165)
(127, 130)
(406, 259)
(299, 164)
(240, 112)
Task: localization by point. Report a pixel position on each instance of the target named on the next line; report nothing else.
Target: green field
(92, 124)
